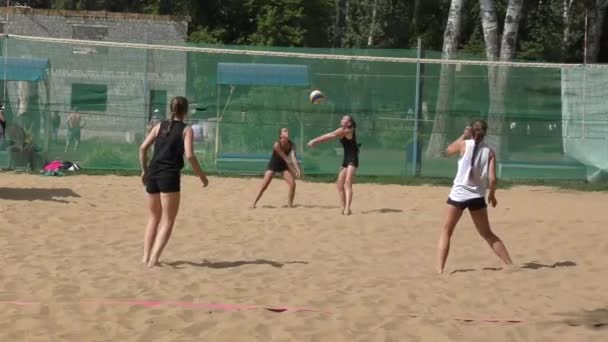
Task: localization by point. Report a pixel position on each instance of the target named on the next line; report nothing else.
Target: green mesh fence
(535, 112)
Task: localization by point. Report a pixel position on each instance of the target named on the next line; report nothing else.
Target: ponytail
(354, 128)
(179, 108)
(479, 132)
(475, 151)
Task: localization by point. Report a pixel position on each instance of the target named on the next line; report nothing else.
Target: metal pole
(4, 92)
(146, 92)
(217, 127)
(584, 75)
(415, 166)
(48, 111)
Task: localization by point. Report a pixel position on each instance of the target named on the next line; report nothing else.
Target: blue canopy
(262, 74)
(23, 69)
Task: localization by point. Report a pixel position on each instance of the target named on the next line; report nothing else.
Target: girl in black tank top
(161, 177)
(347, 133)
(282, 160)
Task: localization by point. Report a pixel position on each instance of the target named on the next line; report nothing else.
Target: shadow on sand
(230, 264)
(37, 194)
(533, 265)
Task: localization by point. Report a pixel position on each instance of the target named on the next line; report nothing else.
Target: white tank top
(468, 187)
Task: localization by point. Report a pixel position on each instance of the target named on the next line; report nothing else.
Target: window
(89, 32)
(90, 97)
(158, 101)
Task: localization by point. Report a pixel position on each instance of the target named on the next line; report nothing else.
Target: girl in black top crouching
(283, 160)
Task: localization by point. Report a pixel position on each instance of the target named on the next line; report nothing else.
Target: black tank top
(277, 163)
(351, 148)
(168, 157)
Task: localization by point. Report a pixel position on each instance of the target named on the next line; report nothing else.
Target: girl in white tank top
(475, 176)
(471, 180)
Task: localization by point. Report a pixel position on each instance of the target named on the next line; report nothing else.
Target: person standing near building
(75, 124)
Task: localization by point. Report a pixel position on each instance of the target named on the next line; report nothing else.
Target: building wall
(116, 27)
(128, 73)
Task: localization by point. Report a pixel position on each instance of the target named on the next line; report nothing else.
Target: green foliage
(112, 156)
(348, 23)
(207, 36)
(279, 23)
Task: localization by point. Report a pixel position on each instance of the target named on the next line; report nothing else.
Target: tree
(451, 37)
(566, 15)
(498, 77)
(596, 13)
(279, 23)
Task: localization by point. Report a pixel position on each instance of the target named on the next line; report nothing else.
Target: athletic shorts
(472, 204)
(164, 184)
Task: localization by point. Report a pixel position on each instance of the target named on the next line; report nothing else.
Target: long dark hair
(179, 108)
(353, 125)
(288, 140)
(478, 132)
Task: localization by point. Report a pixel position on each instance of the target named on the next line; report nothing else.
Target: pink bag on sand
(55, 165)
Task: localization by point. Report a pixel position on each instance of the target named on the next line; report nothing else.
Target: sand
(71, 248)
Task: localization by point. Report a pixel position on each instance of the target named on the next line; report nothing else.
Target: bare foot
(145, 260)
(153, 264)
(348, 212)
(253, 206)
(439, 271)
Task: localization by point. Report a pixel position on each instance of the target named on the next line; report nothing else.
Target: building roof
(23, 69)
(262, 74)
(92, 14)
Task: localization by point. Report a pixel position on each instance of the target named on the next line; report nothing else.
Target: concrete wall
(115, 27)
(129, 74)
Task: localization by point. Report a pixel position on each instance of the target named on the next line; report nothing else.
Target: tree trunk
(596, 16)
(415, 15)
(511, 30)
(346, 36)
(451, 37)
(370, 38)
(489, 22)
(566, 8)
(497, 135)
(339, 24)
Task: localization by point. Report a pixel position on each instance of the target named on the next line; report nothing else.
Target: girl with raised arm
(347, 133)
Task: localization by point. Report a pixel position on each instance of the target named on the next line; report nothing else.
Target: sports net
(547, 121)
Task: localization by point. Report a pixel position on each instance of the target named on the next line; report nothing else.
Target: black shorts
(74, 134)
(472, 204)
(164, 184)
(276, 164)
(277, 167)
(350, 161)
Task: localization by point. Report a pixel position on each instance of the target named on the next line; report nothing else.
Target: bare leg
(453, 215)
(340, 186)
(151, 228)
(291, 182)
(170, 207)
(348, 186)
(67, 142)
(76, 145)
(267, 179)
(480, 218)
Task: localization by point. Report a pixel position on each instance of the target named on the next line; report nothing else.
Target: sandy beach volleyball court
(70, 251)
